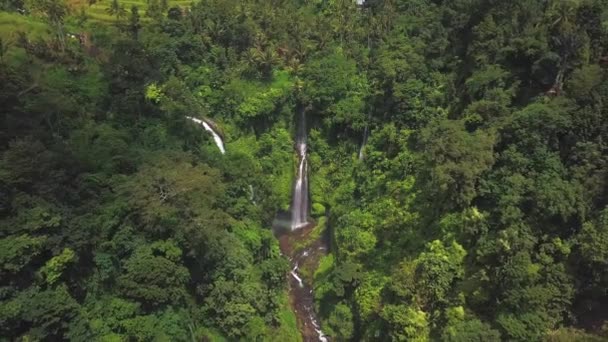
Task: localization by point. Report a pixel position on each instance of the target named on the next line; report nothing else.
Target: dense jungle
(304, 170)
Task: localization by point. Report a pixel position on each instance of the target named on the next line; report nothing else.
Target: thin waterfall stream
(299, 203)
(364, 141)
(216, 137)
(302, 296)
(365, 137)
(305, 257)
(300, 290)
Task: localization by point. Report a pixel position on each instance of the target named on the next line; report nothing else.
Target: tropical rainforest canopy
(457, 158)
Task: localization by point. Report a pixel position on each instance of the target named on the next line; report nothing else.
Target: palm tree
(116, 9)
(154, 9)
(164, 5)
(54, 11)
(134, 21)
(562, 13)
(565, 39)
(567, 45)
(263, 59)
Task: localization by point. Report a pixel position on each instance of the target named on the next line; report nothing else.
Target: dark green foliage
(47, 312)
(152, 275)
(457, 154)
(456, 159)
(117, 221)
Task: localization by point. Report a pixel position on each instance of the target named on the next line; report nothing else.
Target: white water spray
(251, 194)
(322, 336)
(294, 273)
(364, 142)
(299, 205)
(216, 137)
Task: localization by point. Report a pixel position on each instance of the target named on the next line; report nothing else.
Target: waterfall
(299, 204)
(216, 137)
(251, 194)
(364, 142)
(294, 273)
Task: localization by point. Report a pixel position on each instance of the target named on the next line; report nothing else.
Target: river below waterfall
(303, 249)
(301, 295)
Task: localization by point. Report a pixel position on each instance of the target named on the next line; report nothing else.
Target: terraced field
(99, 10)
(10, 23)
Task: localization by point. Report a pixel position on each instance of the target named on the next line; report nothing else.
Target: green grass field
(99, 10)
(10, 23)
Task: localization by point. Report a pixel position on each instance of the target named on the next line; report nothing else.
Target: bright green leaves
(276, 159)
(356, 236)
(54, 268)
(153, 92)
(465, 226)
(474, 213)
(260, 99)
(260, 103)
(335, 86)
(368, 295)
(328, 78)
(232, 305)
(427, 282)
(317, 210)
(116, 319)
(341, 322)
(406, 324)
(349, 112)
(464, 329)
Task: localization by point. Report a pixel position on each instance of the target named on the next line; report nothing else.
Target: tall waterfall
(299, 203)
(216, 137)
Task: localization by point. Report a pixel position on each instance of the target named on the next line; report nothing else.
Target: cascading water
(299, 204)
(216, 137)
(301, 290)
(252, 194)
(364, 142)
(304, 304)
